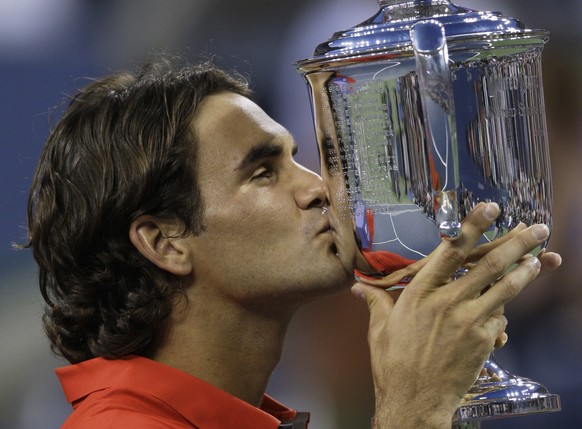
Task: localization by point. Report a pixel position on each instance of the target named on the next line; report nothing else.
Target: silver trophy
(421, 112)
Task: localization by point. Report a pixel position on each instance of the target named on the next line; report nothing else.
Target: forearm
(411, 405)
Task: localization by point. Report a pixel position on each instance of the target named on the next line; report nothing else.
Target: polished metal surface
(438, 106)
(371, 137)
(381, 164)
(421, 112)
(387, 34)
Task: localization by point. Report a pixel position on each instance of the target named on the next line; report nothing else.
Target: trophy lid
(387, 34)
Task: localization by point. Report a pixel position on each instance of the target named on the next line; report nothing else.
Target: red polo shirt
(139, 393)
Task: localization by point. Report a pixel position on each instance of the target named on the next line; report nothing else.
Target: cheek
(252, 219)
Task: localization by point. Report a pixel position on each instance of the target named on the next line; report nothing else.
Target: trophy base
(506, 407)
(498, 394)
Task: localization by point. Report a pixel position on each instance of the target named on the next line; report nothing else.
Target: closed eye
(263, 173)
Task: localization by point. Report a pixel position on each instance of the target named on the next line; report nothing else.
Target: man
(176, 237)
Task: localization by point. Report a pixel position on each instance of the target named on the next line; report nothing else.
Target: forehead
(230, 120)
(228, 126)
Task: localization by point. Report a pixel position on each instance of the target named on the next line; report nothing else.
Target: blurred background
(48, 48)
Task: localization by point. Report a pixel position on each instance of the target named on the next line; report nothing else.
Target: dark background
(48, 48)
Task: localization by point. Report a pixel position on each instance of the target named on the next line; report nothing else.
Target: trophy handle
(438, 106)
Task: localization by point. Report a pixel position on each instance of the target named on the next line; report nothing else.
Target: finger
(501, 340)
(495, 327)
(499, 260)
(508, 287)
(550, 261)
(450, 255)
(483, 249)
(397, 276)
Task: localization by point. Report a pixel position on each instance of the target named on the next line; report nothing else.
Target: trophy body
(413, 134)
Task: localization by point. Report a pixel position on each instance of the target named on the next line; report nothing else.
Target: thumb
(380, 303)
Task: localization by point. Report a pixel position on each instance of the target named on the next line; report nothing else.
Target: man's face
(266, 237)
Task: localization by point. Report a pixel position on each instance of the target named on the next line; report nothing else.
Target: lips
(326, 227)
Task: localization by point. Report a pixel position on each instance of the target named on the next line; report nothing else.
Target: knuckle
(484, 337)
(526, 242)
(511, 287)
(454, 253)
(443, 306)
(447, 306)
(494, 263)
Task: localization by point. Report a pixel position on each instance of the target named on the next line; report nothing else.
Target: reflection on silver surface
(371, 135)
(381, 153)
(398, 161)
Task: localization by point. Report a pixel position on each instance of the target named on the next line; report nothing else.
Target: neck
(232, 347)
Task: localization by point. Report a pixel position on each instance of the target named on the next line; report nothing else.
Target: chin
(341, 276)
(347, 260)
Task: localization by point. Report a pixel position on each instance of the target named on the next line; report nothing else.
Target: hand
(550, 261)
(428, 348)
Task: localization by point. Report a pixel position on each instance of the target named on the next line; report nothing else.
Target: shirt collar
(196, 400)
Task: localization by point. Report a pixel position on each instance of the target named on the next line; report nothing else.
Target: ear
(158, 242)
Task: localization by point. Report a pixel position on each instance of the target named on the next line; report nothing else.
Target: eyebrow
(261, 151)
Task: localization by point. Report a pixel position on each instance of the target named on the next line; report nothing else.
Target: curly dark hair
(123, 147)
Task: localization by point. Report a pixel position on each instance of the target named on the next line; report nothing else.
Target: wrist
(411, 422)
(413, 415)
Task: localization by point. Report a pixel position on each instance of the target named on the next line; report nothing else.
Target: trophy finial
(383, 3)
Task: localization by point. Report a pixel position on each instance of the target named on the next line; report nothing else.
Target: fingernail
(491, 211)
(357, 292)
(540, 232)
(535, 262)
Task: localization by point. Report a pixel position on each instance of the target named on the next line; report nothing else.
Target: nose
(310, 191)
